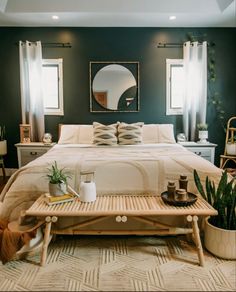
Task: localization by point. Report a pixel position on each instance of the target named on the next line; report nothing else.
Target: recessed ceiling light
(55, 17)
(172, 17)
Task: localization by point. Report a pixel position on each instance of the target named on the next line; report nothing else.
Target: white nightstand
(27, 152)
(206, 150)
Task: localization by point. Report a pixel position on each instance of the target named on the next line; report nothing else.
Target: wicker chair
(230, 137)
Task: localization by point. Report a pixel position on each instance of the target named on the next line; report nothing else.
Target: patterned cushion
(104, 135)
(129, 134)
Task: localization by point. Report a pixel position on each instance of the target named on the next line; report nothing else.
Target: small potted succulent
(220, 230)
(3, 141)
(57, 180)
(202, 132)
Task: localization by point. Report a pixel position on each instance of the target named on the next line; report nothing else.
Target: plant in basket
(220, 230)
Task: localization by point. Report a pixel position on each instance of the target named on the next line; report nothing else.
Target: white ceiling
(119, 13)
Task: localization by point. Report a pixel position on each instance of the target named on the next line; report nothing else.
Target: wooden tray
(191, 200)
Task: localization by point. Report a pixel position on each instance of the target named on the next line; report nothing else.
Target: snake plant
(221, 198)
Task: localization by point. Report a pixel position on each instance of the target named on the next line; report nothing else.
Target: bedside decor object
(181, 195)
(47, 139)
(181, 137)
(171, 189)
(25, 133)
(114, 86)
(54, 200)
(191, 199)
(202, 133)
(57, 180)
(87, 190)
(183, 182)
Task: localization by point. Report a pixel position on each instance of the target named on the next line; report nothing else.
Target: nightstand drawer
(27, 152)
(28, 155)
(203, 152)
(206, 151)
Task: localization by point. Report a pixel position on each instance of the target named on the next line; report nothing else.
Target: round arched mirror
(114, 87)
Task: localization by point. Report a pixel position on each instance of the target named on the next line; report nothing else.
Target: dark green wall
(112, 44)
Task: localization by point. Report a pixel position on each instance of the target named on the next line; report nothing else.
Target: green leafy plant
(2, 133)
(222, 198)
(202, 127)
(56, 175)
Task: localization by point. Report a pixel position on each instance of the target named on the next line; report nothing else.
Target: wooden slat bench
(121, 206)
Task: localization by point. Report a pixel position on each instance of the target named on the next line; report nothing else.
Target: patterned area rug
(125, 263)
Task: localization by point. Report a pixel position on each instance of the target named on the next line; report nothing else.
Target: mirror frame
(95, 66)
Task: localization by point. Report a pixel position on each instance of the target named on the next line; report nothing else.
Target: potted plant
(202, 132)
(231, 146)
(220, 230)
(3, 141)
(57, 180)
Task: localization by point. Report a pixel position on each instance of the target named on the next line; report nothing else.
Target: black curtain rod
(55, 45)
(178, 45)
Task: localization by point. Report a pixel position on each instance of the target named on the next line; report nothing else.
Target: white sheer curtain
(195, 95)
(32, 107)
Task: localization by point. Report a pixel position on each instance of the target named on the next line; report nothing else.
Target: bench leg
(47, 238)
(197, 239)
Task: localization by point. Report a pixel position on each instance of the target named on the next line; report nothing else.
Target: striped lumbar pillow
(129, 134)
(104, 135)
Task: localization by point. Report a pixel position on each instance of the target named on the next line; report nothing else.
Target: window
(174, 86)
(53, 87)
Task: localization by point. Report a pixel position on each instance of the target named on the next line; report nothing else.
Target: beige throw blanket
(132, 169)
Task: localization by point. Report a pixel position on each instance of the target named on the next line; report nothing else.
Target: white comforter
(133, 169)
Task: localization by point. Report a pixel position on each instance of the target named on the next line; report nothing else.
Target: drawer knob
(33, 153)
(198, 153)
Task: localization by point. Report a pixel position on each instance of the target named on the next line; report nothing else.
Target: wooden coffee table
(123, 207)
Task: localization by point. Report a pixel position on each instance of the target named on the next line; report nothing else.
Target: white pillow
(76, 134)
(158, 133)
(150, 134)
(166, 133)
(86, 134)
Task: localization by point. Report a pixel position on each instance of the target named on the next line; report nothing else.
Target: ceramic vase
(202, 135)
(57, 189)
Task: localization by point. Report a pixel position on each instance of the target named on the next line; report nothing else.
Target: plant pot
(3, 147)
(203, 135)
(231, 149)
(57, 189)
(220, 242)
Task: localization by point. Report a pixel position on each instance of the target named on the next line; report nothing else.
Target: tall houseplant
(220, 230)
(3, 142)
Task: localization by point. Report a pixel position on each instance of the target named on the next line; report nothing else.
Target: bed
(142, 168)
